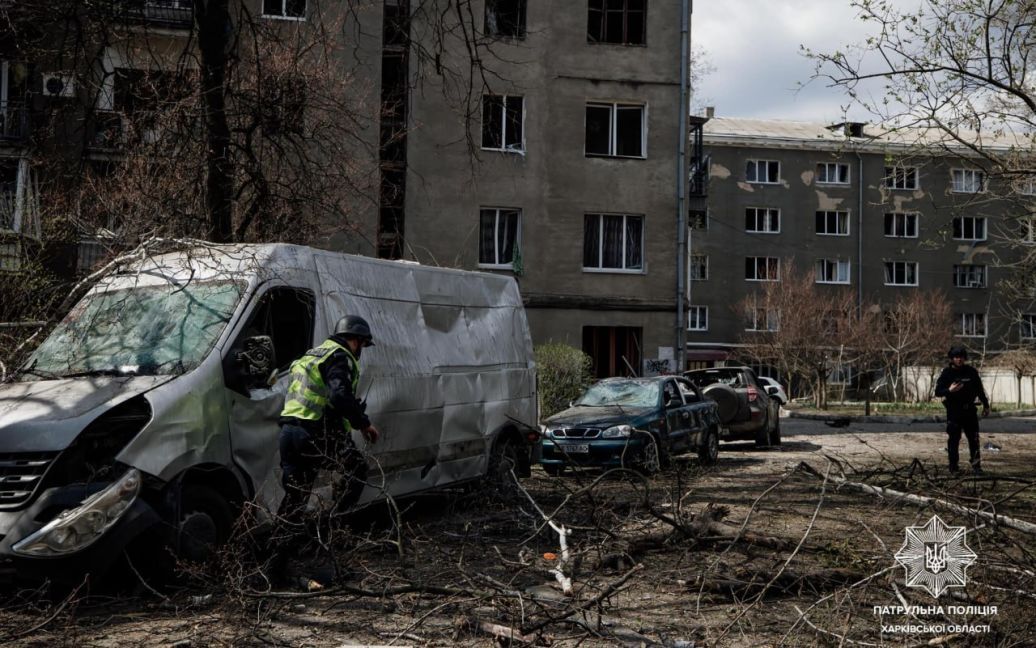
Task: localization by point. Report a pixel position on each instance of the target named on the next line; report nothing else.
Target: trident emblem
(935, 556)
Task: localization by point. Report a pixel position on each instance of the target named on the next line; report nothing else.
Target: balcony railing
(7, 210)
(176, 14)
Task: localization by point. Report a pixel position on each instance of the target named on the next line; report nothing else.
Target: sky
(757, 65)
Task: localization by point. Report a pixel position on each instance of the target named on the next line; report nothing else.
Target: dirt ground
(755, 551)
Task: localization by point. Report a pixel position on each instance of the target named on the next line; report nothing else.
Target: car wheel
(553, 470)
(708, 449)
(654, 456)
(775, 433)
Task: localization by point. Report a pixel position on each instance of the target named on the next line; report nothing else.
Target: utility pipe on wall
(683, 112)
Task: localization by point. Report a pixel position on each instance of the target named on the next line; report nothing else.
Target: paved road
(805, 427)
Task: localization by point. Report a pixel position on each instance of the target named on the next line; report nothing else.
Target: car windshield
(631, 393)
(144, 330)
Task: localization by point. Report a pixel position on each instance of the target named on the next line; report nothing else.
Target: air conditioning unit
(59, 85)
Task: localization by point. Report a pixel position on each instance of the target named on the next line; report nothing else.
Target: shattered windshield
(630, 393)
(143, 330)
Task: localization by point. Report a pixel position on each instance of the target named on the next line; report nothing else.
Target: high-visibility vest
(308, 395)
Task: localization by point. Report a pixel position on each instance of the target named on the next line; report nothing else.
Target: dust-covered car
(747, 410)
(632, 422)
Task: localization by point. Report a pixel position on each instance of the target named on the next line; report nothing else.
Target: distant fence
(1001, 385)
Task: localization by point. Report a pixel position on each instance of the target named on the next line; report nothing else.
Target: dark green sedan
(632, 422)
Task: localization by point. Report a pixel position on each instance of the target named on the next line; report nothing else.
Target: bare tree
(915, 331)
(1022, 363)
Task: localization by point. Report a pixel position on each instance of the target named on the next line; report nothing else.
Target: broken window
(900, 177)
(499, 236)
(972, 325)
(832, 271)
(969, 228)
(900, 225)
(900, 273)
(764, 220)
(969, 276)
(502, 118)
(615, 129)
(613, 350)
(968, 181)
(763, 171)
(293, 9)
(698, 267)
(286, 315)
(622, 22)
(762, 269)
(832, 173)
(613, 242)
(505, 18)
(832, 223)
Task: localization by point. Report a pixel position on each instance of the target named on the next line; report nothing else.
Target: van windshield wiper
(33, 371)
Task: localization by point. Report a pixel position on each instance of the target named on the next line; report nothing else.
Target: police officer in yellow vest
(321, 409)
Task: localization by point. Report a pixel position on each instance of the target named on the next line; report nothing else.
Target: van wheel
(205, 521)
(708, 449)
(503, 459)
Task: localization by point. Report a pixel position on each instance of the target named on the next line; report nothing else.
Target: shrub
(563, 372)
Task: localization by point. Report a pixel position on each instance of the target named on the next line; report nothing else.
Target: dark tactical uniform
(961, 414)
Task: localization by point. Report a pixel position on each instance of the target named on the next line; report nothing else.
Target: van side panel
(452, 365)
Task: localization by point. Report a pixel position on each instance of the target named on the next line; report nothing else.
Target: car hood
(47, 415)
(600, 417)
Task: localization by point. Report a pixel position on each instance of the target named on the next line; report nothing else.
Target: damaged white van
(152, 407)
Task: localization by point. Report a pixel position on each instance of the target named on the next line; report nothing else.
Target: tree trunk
(214, 34)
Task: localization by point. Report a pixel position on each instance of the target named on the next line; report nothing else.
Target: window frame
(769, 212)
(756, 162)
(613, 123)
(961, 188)
(827, 168)
(522, 25)
(704, 265)
(600, 244)
(702, 315)
(766, 259)
(906, 264)
(890, 177)
(906, 216)
(839, 213)
(963, 275)
(503, 125)
(770, 315)
(625, 24)
(837, 262)
(974, 222)
(496, 234)
(978, 319)
(283, 15)
(1027, 321)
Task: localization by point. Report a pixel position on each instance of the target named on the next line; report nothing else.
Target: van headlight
(78, 528)
(617, 431)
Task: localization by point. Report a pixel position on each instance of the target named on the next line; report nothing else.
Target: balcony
(8, 210)
(172, 14)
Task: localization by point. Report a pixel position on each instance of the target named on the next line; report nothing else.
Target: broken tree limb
(889, 493)
(559, 571)
(502, 632)
(585, 605)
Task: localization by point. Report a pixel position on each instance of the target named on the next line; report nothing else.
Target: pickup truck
(632, 422)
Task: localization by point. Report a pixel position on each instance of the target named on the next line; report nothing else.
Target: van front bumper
(68, 568)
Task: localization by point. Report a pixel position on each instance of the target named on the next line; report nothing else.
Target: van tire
(204, 523)
(503, 459)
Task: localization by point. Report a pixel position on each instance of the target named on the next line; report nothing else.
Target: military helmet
(355, 326)
(957, 352)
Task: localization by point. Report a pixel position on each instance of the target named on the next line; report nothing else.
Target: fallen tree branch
(888, 493)
(585, 605)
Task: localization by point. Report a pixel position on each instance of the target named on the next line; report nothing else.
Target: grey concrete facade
(935, 243)
(552, 180)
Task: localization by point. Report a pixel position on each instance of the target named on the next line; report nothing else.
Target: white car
(780, 394)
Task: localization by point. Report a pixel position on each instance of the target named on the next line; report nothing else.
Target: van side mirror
(255, 360)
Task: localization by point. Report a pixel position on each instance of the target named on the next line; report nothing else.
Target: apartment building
(574, 189)
(863, 209)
